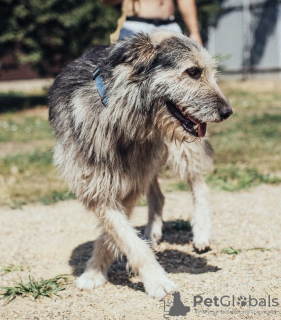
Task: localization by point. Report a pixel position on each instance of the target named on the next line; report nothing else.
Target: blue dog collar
(100, 86)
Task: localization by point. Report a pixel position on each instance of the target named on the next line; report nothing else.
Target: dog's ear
(137, 51)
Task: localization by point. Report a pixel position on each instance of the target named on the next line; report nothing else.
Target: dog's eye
(194, 72)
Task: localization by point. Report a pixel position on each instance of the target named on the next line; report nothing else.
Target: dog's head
(175, 78)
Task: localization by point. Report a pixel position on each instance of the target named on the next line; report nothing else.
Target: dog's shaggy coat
(161, 91)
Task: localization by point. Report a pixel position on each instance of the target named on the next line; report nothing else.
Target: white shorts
(132, 27)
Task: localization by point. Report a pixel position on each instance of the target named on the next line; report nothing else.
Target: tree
(51, 33)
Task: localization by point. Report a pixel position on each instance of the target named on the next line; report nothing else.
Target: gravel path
(52, 240)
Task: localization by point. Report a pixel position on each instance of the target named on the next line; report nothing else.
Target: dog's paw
(90, 280)
(156, 283)
(153, 233)
(201, 244)
(159, 289)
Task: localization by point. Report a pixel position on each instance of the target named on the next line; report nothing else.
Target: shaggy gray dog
(159, 92)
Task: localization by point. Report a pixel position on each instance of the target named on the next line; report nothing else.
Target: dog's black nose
(225, 112)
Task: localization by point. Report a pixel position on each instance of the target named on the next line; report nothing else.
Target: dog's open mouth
(196, 128)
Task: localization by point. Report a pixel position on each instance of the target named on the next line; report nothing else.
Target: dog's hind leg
(140, 257)
(97, 266)
(155, 201)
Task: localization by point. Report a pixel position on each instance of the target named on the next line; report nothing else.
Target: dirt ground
(57, 239)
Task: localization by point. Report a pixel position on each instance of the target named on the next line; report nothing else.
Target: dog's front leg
(201, 221)
(155, 201)
(140, 257)
(190, 161)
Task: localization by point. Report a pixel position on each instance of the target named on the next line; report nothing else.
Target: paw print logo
(242, 301)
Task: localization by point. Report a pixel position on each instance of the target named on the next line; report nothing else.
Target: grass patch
(19, 163)
(25, 129)
(56, 196)
(181, 186)
(36, 289)
(247, 147)
(181, 225)
(31, 177)
(142, 202)
(258, 248)
(232, 178)
(27, 173)
(12, 268)
(15, 204)
(250, 138)
(232, 251)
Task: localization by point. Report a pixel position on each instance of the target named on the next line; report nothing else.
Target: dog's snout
(225, 111)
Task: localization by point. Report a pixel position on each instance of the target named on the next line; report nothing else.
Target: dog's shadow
(173, 261)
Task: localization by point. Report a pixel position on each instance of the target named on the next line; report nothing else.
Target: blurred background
(39, 37)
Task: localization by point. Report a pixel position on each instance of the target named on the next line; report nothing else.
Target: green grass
(37, 161)
(27, 173)
(12, 268)
(250, 138)
(181, 225)
(258, 249)
(232, 251)
(233, 178)
(142, 202)
(56, 196)
(181, 186)
(247, 147)
(35, 289)
(22, 130)
(31, 177)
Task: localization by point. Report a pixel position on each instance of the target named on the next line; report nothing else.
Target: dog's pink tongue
(202, 127)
